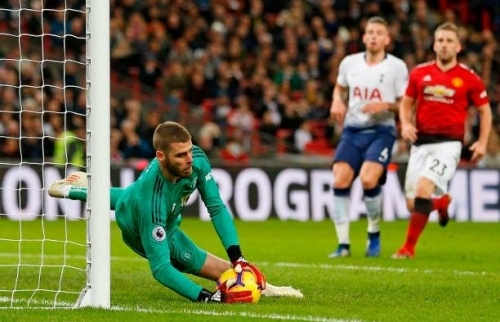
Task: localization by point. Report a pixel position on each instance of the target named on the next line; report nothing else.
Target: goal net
(47, 131)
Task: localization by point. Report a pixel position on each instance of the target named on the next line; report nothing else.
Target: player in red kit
(442, 91)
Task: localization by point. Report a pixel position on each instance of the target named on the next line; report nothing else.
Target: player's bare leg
(214, 267)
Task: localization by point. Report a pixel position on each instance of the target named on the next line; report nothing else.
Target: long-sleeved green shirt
(151, 207)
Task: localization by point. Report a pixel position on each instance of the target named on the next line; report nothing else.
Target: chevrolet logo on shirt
(439, 91)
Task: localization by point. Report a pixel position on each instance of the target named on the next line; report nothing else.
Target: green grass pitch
(455, 276)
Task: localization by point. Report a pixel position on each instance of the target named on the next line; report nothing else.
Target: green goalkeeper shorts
(185, 255)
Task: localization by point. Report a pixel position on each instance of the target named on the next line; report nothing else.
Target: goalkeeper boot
(60, 188)
(442, 209)
(403, 253)
(373, 245)
(342, 251)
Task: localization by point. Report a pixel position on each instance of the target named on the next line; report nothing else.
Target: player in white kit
(374, 81)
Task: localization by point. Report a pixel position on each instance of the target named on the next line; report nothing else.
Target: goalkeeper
(148, 213)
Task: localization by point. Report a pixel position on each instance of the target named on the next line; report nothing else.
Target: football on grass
(245, 281)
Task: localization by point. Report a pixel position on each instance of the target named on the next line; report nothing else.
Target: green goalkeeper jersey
(150, 209)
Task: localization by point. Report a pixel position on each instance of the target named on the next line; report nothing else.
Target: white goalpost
(54, 120)
(97, 291)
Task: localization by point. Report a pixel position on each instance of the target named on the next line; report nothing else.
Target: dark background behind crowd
(249, 78)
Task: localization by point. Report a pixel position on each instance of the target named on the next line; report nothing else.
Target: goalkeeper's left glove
(239, 262)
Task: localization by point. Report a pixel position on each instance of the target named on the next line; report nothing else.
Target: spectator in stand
(302, 136)
(233, 151)
(116, 155)
(242, 122)
(133, 146)
(70, 145)
(150, 73)
(33, 143)
(197, 91)
(268, 129)
(9, 139)
(210, 138)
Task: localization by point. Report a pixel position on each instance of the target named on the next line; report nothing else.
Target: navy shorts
(367, 144)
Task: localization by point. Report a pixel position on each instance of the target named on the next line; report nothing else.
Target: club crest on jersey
(159, 233)
(457, 82)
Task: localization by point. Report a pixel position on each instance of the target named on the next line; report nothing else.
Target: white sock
(373, 210)
(341, 218)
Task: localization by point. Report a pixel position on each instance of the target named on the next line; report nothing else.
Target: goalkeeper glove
(241, 263)
(237, 259)
(222, 295)
(207, 296)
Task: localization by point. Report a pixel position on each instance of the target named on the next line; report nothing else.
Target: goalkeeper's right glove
(207, 296)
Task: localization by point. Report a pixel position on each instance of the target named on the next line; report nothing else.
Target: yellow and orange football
(244, 281)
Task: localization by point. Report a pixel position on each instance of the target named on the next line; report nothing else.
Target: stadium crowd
(247, 77)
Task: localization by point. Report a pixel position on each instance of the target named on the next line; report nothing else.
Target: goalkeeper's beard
(176, 171)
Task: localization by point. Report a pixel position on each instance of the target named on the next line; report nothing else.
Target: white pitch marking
(288, 317)
(381, 269)
(285, 264)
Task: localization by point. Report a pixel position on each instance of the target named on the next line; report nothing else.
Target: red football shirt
(443, 97)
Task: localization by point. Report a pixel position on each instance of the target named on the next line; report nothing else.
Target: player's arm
(400, 86)
(378, 107)
(222, 220)
(338, 107)
(406, 109)
(485, 120)
(408, 130)
(339, 96)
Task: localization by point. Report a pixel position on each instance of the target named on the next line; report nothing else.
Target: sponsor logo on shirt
(439, 93)
(209, 176)
(427, 78)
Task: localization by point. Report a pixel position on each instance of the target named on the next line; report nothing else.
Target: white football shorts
(437, 162)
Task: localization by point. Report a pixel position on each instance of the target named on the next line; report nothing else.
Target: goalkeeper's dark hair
(167, 133)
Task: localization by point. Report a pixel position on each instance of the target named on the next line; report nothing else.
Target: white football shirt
(383, 82)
